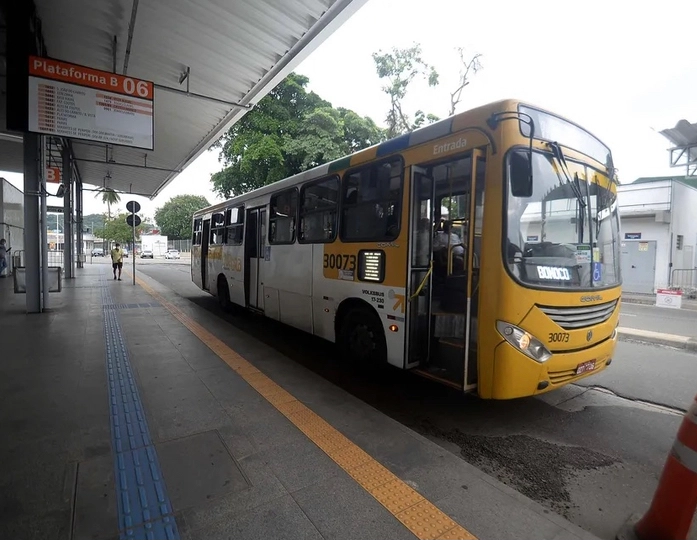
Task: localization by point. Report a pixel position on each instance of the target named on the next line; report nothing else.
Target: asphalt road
(651, 318)
(592, 452)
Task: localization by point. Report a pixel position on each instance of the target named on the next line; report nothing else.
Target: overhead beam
(142, 166)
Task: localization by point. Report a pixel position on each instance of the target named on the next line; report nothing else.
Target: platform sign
(53, 174)
(78, 102)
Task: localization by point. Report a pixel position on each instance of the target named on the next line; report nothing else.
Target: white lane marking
(627, 315)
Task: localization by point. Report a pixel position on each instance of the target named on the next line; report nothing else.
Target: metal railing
(686, 280)
(55, 258)
(184, 246)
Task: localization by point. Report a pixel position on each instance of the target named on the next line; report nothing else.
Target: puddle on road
(536, 468)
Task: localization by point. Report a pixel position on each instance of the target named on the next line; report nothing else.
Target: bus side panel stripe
(341, 164)
(392, 146)
(431, 132)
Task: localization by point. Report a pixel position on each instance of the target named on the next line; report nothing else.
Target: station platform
(128, 411)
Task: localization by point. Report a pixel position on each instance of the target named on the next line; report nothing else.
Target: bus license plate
(588, 366)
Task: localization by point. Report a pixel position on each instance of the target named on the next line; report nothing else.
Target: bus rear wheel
(224, 295)
(362, 339)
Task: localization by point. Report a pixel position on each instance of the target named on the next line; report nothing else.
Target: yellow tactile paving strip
(417, 514)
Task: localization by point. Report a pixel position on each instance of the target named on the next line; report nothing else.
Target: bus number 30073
(558, 336)
(342, 262)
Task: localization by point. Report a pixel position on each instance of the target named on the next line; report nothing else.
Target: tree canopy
(401, 67)
(117, 230)
(290, 130)
(174, 217)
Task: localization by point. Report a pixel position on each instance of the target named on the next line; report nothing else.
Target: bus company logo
(449, 146)
(591, 298)
(553, 273)
(373, 293)
(388, 244)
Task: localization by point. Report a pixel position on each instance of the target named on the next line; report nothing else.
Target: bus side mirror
(520, 174)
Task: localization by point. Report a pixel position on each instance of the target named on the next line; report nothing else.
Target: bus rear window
(371, 203)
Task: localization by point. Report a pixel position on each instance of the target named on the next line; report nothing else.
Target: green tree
(117, 230)
(289, 130)
(174, 217)
(401, 67)
(109, 197)
(93, 221)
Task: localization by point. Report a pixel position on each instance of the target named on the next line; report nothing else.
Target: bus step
(449, 326)
(454, 342)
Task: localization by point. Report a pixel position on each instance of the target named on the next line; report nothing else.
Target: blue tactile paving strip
(145, 511)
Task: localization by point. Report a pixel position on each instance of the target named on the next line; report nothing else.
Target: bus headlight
(523, 341)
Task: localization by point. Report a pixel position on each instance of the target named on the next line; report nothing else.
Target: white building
(11, 218)
(659, 233)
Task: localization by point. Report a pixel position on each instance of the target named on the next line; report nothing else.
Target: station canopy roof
(684, 139)
(236, 52)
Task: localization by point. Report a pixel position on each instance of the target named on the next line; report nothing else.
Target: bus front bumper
(517, 375)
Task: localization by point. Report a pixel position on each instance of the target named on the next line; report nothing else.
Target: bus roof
(422, 135)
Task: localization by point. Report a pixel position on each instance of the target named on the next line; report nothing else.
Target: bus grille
(578, 318)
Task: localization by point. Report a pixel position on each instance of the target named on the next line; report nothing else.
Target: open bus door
(254, 257)
(205, 241)
(444, 270)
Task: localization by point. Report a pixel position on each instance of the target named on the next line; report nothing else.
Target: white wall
(684, 222)
(646, 209)
(644, 198)
(155, 243)
(652, 230)
(11, 217)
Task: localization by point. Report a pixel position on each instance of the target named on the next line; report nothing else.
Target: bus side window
(196, 237)
(217, 228)
(282, 217)
(318, 211)
(371, 205)
(234, 221)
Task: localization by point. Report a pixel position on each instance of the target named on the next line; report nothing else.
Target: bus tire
(362, 338)
(224, 295)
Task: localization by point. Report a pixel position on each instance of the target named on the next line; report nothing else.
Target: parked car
(147, 254)
(172, 254)
(97, 252)
(125, 251)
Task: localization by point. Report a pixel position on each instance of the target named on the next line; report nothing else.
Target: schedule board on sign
(82, 103)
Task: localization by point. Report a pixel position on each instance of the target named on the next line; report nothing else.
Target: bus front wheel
(362, 339)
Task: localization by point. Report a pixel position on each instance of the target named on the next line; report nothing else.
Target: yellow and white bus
(481, 251)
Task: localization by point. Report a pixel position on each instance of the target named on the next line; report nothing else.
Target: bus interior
(445, 270)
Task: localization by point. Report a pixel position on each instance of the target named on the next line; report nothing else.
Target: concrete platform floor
(127, 411)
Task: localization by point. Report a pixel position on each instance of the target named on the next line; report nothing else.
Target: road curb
(669, 340)
(687, 304)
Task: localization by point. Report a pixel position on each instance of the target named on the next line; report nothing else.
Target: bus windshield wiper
(574, 182)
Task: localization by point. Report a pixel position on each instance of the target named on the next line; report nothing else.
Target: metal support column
(78, 223)
(32, 237)
(67, 214)
(44, 223)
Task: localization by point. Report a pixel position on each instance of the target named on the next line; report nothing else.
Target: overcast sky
(621, 70)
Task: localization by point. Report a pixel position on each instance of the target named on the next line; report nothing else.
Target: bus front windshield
(566, 234)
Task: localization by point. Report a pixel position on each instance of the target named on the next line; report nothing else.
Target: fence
(55, 258)
(184, 246)
(686, 280)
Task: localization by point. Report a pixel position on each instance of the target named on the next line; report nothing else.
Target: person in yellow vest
(117, 260)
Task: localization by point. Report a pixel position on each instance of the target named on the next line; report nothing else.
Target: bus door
(205, 241)
(442, 334)
(254, 257)
(474, 251)
(419, 307)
